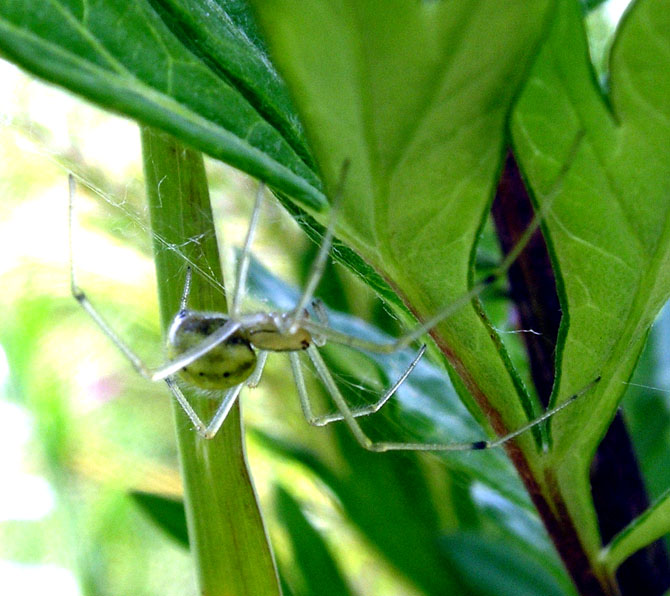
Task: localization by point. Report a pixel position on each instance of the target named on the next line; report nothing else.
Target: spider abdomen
(225, 365)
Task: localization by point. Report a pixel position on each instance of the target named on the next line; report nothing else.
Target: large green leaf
(608, 229)
(204, 78)
(415, 98)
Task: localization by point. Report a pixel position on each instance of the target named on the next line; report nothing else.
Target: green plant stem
(226, 531)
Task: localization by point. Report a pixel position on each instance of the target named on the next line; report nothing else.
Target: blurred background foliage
(83, 437)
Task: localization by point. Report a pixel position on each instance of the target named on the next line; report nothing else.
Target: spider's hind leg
(319, 263)
(245, 256)
(358, 412)
(350, 418)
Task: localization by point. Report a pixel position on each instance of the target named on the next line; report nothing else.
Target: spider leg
(200, 427)
(183, 303)
(319, 263)
(320, 311)
(171, 366)
(328, 333)
(243, 264)
(255, 378)
(322, 316)
(315, 274)
(417, 332)
(356, 412)
(299, 378)
(305, 404)
(324, 331)
(340, 402)
(367, 443)
(210, 430)
(222, 411)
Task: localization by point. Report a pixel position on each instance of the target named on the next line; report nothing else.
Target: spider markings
(227, 364)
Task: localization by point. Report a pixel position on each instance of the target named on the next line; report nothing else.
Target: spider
(225, 352)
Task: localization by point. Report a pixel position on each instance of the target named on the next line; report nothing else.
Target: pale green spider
(217, 351)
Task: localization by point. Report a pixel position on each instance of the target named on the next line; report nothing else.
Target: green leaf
(645, 407)
(415, 98)
(642, 531)
(223, 35)
(608, 227)
(492, 566)
(405, 529)
(312, 560)
(168, 514)
(202, 79)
